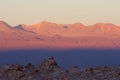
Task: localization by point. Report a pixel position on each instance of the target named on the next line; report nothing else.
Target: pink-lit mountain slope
(52, 29)
(59, 36)
(12, 38)
(73, 30)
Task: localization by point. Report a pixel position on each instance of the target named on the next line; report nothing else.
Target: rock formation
(50, 70)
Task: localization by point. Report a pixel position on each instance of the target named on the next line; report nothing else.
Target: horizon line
(99, 22)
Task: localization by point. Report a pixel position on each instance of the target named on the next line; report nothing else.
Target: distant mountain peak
(105, 24)
(20, 26)
(44, 22)
(2, 23)
(4, 26)
(77, 24)
(99, 24)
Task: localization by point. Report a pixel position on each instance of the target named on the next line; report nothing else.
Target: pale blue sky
(60, 11)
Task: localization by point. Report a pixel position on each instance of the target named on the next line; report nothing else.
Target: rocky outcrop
(50, 70)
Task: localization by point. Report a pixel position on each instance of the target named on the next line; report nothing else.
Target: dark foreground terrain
(50, 70)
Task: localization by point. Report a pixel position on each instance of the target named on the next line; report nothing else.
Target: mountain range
(47, 35)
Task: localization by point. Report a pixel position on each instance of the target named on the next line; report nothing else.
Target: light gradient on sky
(60, 11)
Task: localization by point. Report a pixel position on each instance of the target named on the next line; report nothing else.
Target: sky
(87, 12)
